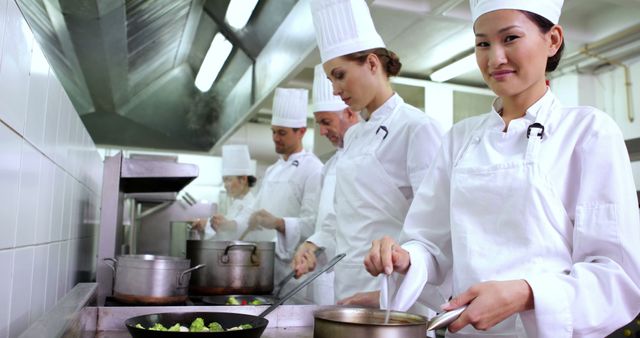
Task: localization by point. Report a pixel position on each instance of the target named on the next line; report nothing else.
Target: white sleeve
(601, 292)
(298, 229)
(326, 236)
(422, 149)
(208, 230)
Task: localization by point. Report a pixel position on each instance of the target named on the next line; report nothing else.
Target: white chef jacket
(290, 190)
(373, 192)
(239, 206)
(584, 274)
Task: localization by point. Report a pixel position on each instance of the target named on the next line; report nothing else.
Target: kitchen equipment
(227, 320)
(369, 323)
(233, 267)
(150, 279)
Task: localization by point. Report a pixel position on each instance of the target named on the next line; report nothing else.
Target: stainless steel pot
(150, 279)
(367, 323)
(233, 267)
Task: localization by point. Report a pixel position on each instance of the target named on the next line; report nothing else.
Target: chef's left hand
(265, 219)
(367, 299)
(489, 303)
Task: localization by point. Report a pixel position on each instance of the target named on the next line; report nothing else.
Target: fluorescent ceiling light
(464, 65)
(214, 60)
(239, 12)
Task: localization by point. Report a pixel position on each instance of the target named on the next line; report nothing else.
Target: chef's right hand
(387, 256)
(304, 260)
(198, 224)
(217, 221)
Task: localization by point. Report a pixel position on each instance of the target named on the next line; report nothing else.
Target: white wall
(50, 182)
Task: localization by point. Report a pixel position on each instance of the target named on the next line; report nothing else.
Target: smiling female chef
(385, 157)
(532, 206)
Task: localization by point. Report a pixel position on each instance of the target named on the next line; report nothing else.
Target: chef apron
(507, 221)
(322, 290)
(368, 206)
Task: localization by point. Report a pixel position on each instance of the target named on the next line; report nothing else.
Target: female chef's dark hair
(388, 59)
(251, 181)
(545, 26)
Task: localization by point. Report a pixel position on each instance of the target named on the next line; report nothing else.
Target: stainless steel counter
(294, 332)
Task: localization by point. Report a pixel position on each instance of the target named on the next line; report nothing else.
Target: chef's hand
(489, 303)
(199, 224)
(366, 299)
(386, 256)
(265, 219)
(218, 221)
(304, 260)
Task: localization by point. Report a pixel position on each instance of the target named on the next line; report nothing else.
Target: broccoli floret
(197, 325)
(215, 327)
(175, 328)
(246, 326)
(240, 327)
(138, 326)
(256, 302)
(158, 327)
(232, 301)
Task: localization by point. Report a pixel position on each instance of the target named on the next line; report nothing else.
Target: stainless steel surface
(286, 332)
(310, 278)
(443, 320)
(367, 323)
(151, 279)
(233, 267)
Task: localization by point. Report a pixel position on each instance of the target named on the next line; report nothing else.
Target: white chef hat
(549, 9)
(343, 27)
(323, 98)
(236, 161)
(290, 107)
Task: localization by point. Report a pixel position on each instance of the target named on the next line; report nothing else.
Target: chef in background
(385, 157)
(334, 119)
(531, 206)
(285, 206)
(238, 175)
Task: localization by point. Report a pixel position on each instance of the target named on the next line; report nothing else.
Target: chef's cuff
(552, 307)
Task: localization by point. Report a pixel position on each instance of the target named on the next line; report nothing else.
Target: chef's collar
(294, 157)
(387, 108)
(543, 104)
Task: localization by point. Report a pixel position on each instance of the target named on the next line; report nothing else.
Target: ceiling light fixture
(239, 12)
(462, 66)
(214, 60)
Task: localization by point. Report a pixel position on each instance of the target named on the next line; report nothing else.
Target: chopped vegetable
(240, 327)
(233, 301)
(138, 326)
(158, 327)
(257, 302)
(175, 328)
(197, 325)
(215, 327)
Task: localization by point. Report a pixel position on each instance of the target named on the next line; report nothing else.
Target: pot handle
(225, 255)
(181, 275)
(112, 264)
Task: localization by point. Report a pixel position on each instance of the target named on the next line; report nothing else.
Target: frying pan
(227, 320)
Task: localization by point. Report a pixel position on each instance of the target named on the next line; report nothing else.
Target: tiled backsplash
(50, 182)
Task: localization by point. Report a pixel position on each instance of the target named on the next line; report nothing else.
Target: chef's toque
(549, 9)
(323, 98)
(290, 108)
(236, 161)
(343, 27)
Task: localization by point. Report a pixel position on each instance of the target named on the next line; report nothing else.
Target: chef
(384, 158)
(238, 175)
(334, 119)
(285, 207)
(531, 206)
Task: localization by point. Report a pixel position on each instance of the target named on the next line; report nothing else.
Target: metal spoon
(386, 314)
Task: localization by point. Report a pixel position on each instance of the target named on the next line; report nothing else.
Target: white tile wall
(20, 298)
(50, 179)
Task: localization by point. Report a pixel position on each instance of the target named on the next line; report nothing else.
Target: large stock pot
(149, 279)
(233, 267)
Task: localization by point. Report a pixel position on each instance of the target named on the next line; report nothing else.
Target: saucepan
(370, 323)
(226, 320)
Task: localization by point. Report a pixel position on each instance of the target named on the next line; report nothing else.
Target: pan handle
(112, 265)
(225, 255)
(181, 275)
(304, 283)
